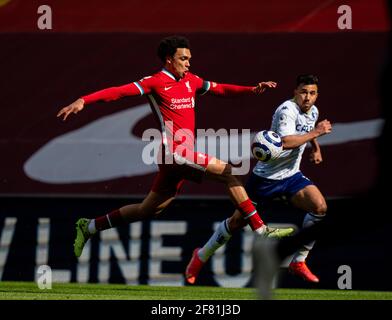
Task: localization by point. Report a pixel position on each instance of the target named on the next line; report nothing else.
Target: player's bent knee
(230, 179)
(225, 175)
(225, 171)
(228, 170)
(321, 209)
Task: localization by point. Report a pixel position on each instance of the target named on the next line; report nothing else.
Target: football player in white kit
(295, 121)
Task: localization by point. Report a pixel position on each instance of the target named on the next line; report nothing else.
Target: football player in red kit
(171, 93)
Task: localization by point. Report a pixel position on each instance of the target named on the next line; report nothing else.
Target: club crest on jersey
(309, 120)
(188, 86)
(282, 117)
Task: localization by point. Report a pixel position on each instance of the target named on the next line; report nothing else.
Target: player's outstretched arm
(74, 107)
(109, 94)
(232, 90)
(262, 86)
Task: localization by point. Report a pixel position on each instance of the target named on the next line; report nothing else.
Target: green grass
(75, 291)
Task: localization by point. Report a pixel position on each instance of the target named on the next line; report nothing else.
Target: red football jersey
(173, 102)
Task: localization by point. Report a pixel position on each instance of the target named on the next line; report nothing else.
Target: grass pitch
(76, 291)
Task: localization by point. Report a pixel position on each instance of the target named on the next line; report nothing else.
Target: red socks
(110, 220)
(250, 214)
(247, 209)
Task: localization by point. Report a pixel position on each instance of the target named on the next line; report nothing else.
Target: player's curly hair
(168, 46)
(307, 79)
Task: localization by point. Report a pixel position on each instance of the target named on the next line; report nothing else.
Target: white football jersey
(288, 119)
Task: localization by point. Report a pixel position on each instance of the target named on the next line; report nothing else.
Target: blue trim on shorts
(261, 189)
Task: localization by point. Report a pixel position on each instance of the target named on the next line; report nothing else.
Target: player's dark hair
(168, 46)
(307, 79)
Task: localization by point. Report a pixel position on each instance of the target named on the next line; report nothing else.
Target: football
(266, 145)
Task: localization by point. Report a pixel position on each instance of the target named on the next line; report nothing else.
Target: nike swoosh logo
(91, 153)
(168, 88)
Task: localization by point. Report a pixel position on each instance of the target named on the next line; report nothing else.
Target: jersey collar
(299, 109)
(169, 74)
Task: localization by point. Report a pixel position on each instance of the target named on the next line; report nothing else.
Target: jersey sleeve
(285, 121)
(200, 84)
(225, 90)
(137, 88)
(147, 84)
(112, 93)
(204, 88)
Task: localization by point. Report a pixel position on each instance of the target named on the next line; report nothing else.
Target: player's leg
(195, 166)
(237, 221)
(219, 238)
(163, 192)
(152, 205)
(220, 171)
(230, 226)
(223, 234)
(311, 200)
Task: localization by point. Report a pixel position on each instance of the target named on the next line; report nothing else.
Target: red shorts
(174, 172)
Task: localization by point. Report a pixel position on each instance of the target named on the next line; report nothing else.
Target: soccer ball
(266, 145)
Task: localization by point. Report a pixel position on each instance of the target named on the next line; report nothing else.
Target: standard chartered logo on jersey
(183, 103)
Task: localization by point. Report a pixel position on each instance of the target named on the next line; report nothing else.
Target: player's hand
(315, 157)
(323, 127)
(262, 86)
(74, 107)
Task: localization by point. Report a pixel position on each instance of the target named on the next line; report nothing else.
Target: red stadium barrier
(160, 16)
